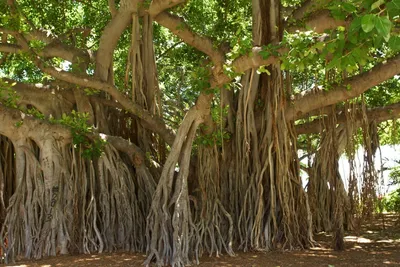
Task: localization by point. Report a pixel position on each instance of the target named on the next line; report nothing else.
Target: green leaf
(394, 43)
(336, 61)
(355, 25)
(377, 4)
(394, 4)
(353, 38)
(378, 41)
(349, 7)
(319, 45)
(368, 22)
(357, 53)
(301, 66)
(367, 3)
(383, 25)
(393, 9)
(338, 14)
(331, 47)
(264, 54)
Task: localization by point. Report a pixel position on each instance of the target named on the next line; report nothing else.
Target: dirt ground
(374, 245)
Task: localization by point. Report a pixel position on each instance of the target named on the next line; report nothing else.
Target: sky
(389, 154)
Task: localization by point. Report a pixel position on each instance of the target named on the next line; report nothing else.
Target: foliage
(395, 175)
(76, 121)
(391, 202)
(384, 94)
(219, 134)
(80, 130)
(8, 97)
(371, 36)
(226, 22)
(264, 180)
(35, 113)
(389, 132)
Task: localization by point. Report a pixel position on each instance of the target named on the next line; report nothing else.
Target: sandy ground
(374, 245)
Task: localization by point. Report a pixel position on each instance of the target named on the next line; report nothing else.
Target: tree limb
(51, 101)
(10, 48)
(255, 60)
(110, 36)
(33, 35)
(54, 47)
(319, 22)
(113, 9)
(246, 62)
(16, 124)
(47, 100)
(151, 122)
(158, 6)
(379, 114)
(350, 88)
(136, 155)
(307, 7)
(178, 26)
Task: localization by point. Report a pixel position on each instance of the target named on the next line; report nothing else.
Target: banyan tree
(174, 127)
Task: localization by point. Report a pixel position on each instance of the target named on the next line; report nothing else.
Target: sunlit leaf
(383, 25)
(394, 43)
(377, 4)
(368, 22)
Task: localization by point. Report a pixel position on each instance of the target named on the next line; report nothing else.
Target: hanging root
(272, 204)
(370, 177)
(63, 203)
(213, 221)
(326, 186)
(25, 212)
(352, 206)
(168, 232)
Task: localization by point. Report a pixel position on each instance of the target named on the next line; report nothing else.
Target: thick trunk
(268, 205)
(271, 203)
(58, 202)
(326, 192)
(169, 223)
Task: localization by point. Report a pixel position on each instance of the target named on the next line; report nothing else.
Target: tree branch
(350, 88)
(16, 124)
(113, 9)
(136, 155)
(34, 35)
(178, 26)
(46, 99)
(110, 36)
(319, 22)
(49, 100)
(307, 7)
(255, 60)
(10, 48)
(246, 62)
(379, 114)
(150, 121)
(54, 47)
(158, 6)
